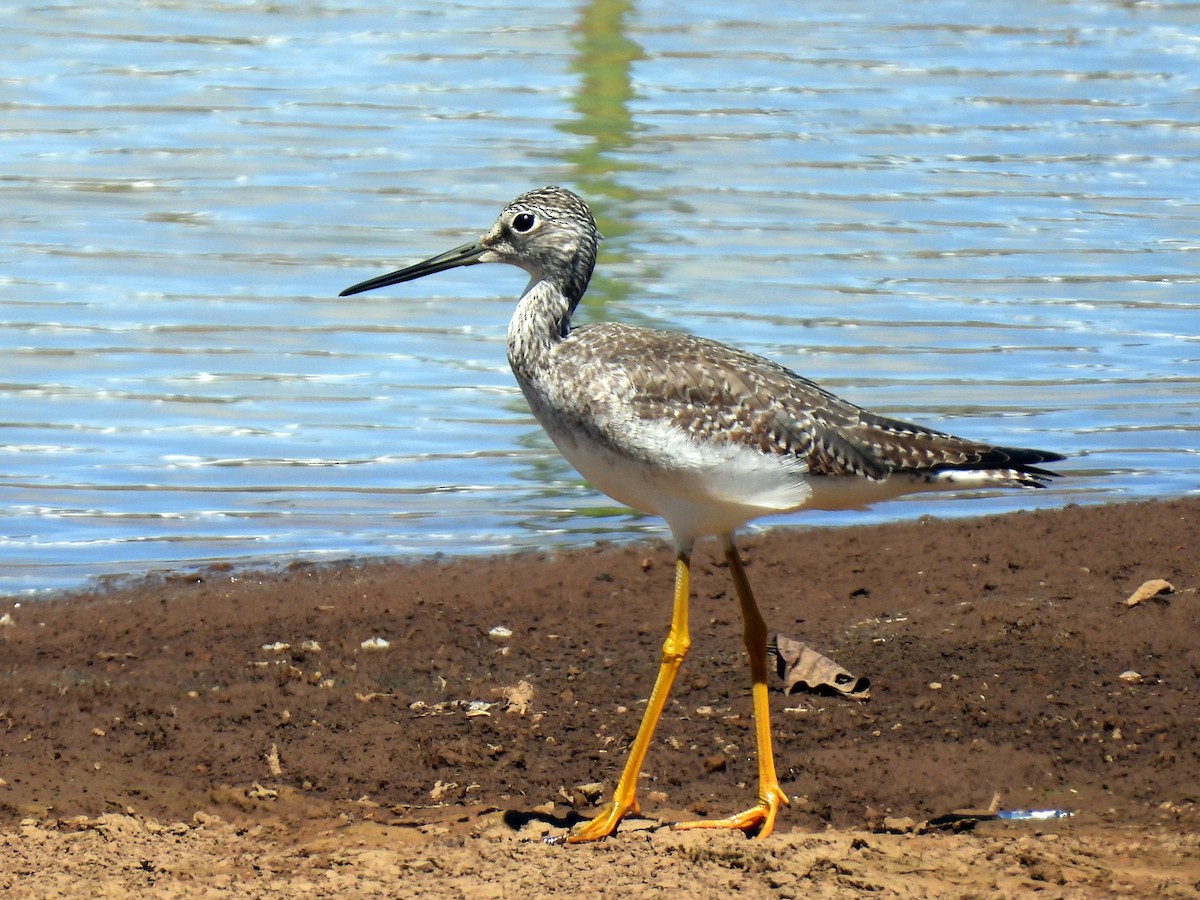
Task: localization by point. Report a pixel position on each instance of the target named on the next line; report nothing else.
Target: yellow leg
(674, 649)
(760, 818)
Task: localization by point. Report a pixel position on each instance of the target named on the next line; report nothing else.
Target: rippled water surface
(984, 217)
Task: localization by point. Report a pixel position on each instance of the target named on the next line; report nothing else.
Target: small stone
(592, 791)
(714, 763)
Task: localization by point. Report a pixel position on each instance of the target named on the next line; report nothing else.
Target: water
(980, 216)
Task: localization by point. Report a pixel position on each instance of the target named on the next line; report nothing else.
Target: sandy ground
(229, 734)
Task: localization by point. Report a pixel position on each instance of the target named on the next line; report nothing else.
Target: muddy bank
(367, 723)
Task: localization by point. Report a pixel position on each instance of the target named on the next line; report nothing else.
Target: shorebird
(704, 435)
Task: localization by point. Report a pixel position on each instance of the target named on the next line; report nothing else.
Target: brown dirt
(150, 744)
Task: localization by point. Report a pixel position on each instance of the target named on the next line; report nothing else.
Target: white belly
(699, 489)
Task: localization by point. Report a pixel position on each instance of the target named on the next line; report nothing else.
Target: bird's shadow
(516, 819)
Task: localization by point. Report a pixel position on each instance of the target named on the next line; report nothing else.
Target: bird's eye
(524, 222)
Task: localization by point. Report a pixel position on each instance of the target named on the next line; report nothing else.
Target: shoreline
(272, 565)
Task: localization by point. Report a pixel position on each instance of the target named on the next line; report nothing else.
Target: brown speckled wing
(720, 394)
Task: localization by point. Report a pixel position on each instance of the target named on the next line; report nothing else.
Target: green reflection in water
(604, 61)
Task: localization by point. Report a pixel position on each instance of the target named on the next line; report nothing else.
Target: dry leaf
(804, 669)
(1152, 588)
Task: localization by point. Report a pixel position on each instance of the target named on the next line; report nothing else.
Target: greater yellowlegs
(705, 435)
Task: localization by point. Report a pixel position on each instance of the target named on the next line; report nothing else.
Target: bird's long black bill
(466, 255)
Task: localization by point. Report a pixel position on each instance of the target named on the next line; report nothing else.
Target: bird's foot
(758, 820)
(604, 823)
